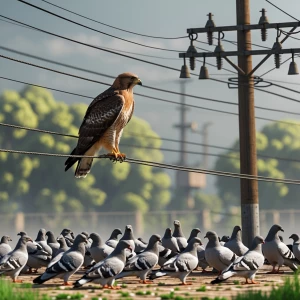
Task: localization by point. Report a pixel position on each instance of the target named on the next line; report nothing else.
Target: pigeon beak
(30, 240)
(282, 229)
(290, 237)
(160, 240)
(205, 237)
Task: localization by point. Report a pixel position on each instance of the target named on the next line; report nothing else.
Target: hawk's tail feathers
(84, 167)
(71, 161)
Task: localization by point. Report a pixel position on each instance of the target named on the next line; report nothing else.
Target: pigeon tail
(82, 281)
(157, 274)
(223, 277)
(40, 280)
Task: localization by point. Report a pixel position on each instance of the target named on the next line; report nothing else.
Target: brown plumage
(104, 122)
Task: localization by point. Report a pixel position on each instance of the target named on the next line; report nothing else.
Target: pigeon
(141, 264)
(217, 256)
(235, 243)
(113, 239)
(98, 249)
(68, 235)
(105, 271)
(39, 257)
(4, 245)
(224, 239)
(143, 241)
(276, 252)
(165, 254)
(13, 262)
(63, 247)
(178, 234)
(247, 265)
(128, 236)
(181, 265)
(139, 245)
(52, 242)
(88, 260)
(66, 263)
(296, 245)
(169, 241)
(194, 233)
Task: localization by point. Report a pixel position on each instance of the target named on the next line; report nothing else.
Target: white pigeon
(182, 265)
(105, 271)
(247, 265)
(113, 239)
(4, 245)
(235, 243)
(296, 245)
(65, 264)
(178, 234)
(13, 262)
(99, 250)
(169, 241)
(278, 253)
(217, 256)
(141, 264)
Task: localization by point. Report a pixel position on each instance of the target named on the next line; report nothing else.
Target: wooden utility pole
(249, 188)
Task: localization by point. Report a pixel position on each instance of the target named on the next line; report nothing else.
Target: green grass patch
(161, 283)
(140, 293)
(236, 282)
(123, 294)
(201, 289)
(289, 290)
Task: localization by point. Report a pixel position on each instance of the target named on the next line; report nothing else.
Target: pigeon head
(259, 240)
(256, 244)
(295, 237)
(225, 238)
(80, 238)
(168, 233)
(117, 231)
(41, 235)
(194, 233)
(177, 223)
(154, 239)
(95, 237)
(273, 232)
(193, 244)
(85, 233)
(126, 81)
(124, 245)
(25, 239)
(21, 233)
(5, 239)
(128, 228)
(66, 231)
(61, 239)
(211, 235)
(275, 228)
(237, 228)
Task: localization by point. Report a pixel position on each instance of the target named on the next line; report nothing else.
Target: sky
(168, 18)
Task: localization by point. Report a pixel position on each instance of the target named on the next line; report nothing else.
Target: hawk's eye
(132, 78)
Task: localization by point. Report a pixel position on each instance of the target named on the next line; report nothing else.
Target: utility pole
(245, 84)
(249, 188)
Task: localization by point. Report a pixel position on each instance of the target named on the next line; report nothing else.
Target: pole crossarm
(240, 53)
(243, 27)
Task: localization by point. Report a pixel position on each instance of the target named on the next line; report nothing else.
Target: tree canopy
(39, 183)
(277, 140)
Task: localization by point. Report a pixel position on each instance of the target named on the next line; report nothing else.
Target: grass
(201, 289)
(161, 284)
(290, 290)
(123, 294)
(236, 282)
(9, 291)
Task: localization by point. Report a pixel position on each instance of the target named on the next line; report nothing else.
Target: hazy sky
(169, 18)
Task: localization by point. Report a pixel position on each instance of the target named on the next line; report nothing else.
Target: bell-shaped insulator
(184, 72)
(293, 68)
(203, 73)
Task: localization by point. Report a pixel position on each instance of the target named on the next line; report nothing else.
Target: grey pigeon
(276, 252)
(128, 236)
(224, 239)
(99, 250)
(52, 242)
(63, 247)
(13, 262)
(194, 233)
(178, 234)
(235, 243)
(68, 235)
(4, 245)
(169, 241)
(39, 258)
(66, 263)
(143, 241)
(105, 271)
(88, 260)
(245, 266)
(141, 264)
(217, 256)
(165, 254)
(202, 263)
(113, 239)
(296, 245)
(181, 265)
(139, 245)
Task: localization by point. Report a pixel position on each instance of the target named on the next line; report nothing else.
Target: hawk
(103, 123)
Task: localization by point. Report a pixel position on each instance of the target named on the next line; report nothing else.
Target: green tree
(275, 140)
(39, 183)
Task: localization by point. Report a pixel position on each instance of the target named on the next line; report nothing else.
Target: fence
(143, 224)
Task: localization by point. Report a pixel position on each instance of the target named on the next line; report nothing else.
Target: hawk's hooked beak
(139, 82)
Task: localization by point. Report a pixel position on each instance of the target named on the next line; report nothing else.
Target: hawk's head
(126, 81)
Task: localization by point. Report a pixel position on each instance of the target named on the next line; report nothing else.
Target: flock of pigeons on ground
(104, 262)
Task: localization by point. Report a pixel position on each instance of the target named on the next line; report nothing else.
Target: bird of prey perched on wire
(104, 122)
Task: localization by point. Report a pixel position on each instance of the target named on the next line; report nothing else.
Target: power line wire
(93, 29)
(165, 166)
(282, 11)
(117, 28)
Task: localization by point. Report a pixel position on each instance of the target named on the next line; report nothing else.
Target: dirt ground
(130, 288)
